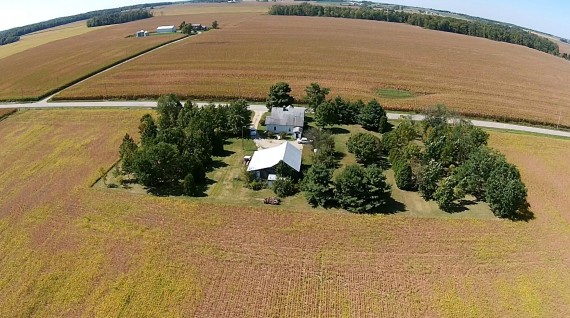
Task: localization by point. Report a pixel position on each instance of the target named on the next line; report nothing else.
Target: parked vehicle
(303, 140)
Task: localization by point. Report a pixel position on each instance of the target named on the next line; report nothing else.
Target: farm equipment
(272, 201)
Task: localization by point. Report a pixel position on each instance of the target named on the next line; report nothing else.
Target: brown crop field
(67, 249)
(46, 36)
(39, 70)
(6, 111)
(355, 58)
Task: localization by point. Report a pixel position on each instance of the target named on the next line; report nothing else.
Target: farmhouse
(166, 29)
(288, 119)
(199, 27)
(141, 34)
(263, 161)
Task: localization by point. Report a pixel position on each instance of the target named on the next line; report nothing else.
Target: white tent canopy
(267, 158)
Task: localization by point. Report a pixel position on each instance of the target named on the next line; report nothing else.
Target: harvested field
(37, 71)
(71, 250)
(6, 111)
(46, 36)
(355, 58)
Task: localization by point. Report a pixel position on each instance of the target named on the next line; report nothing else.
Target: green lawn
(394, 93)
(227, 186)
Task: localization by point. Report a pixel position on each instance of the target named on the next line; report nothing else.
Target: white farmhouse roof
(290, 116)
(267, 158)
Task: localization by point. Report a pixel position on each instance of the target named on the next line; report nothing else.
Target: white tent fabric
(267, 158)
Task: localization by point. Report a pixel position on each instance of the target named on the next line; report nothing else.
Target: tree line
(444, 160)
(118, 17)
(488, 30)
(175, 149)
(13, 35)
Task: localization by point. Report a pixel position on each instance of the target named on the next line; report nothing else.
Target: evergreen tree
(317, 185)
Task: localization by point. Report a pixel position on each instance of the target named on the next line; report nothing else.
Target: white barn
(166, 29)
(289, 120)
(263, 161)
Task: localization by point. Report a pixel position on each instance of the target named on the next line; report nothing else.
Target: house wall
(279, 129)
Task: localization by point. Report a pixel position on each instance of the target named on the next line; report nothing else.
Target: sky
(550, 16)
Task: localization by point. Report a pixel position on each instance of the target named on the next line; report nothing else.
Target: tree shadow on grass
(225, 153)
(216, 164)
(177, 190)
(338, 131)
(166, 190)
(338, 156)
(524, 214)
(390, 207)
(461, 206)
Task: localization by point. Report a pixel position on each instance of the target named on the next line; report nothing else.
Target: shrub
(446, 194)
(284, 187)
(189, 185)
(405, 179)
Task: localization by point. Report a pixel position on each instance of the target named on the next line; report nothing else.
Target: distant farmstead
(199, 27)
(289, 120)
(166, 29)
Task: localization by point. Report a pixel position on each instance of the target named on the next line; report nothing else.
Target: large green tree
(279, 96)
(317, 185)
(505, 192)
(474, 173)
(366, 147)
(326, 115)
(429, 179)
(370, 115)
(359, 189)
(147, 129)
(315, 95)
(238, 117)
(157, 165)
(168, 107)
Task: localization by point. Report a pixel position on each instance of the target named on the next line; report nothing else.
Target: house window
(289, 129)
(274, 128)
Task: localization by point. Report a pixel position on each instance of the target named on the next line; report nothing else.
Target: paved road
(259, 109)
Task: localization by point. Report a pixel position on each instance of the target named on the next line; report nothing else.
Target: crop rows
(35, 72)
(354, 58)
(70, 250)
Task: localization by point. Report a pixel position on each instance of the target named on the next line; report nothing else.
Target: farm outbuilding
(289, 120)
(263, 161)
(141, 34)
(166, 29)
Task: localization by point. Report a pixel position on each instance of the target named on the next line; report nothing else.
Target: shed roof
(292, 116)
(166, 27)
(267, 158)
